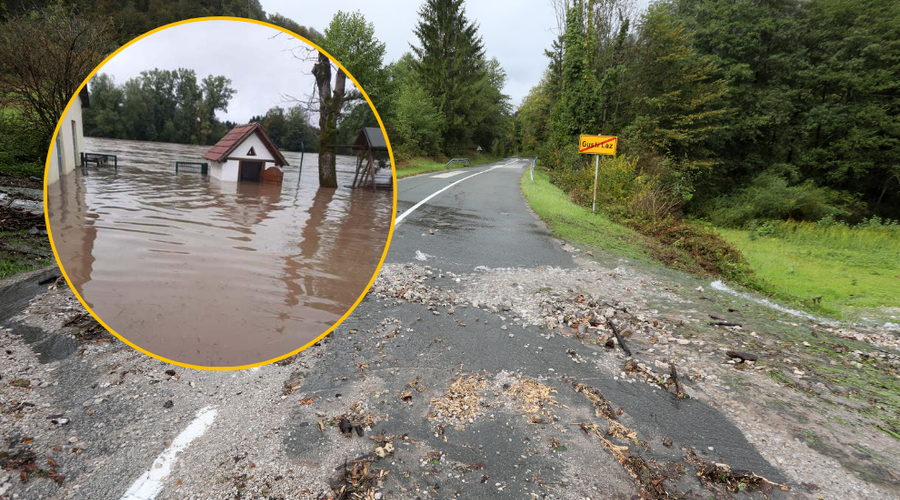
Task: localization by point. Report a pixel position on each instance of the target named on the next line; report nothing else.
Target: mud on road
(492, 384)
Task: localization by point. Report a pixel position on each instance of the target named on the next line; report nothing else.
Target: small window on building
(252, 152)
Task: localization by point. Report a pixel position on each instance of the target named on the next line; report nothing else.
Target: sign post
(597, 145)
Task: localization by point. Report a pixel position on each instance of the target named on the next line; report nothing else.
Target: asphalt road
(481, 222)
(273, 432)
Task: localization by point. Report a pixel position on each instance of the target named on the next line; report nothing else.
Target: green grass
(12, 267)
(421, 165)
(576, 224)
(14, 262)
(854, 270)
(23, 170)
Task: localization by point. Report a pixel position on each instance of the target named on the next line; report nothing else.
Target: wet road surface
(482, 222)
(398, 367)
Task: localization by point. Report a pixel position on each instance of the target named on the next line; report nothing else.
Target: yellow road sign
(597, 144)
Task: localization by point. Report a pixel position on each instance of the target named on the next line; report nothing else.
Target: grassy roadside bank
(674, 243)
(576, 224)
(850, 272)
(408, 167)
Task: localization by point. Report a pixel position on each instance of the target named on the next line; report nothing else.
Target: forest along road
(480, 365)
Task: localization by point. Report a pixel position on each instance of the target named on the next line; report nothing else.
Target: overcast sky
(263, 69)
(516, 33)
(260, 61)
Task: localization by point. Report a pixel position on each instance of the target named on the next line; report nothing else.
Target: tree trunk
(327, 122)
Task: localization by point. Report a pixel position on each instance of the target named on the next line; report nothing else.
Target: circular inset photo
(220, 193)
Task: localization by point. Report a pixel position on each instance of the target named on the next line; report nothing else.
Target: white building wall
(259, 148)
(215, 170)
(69, 144)
(230, 170)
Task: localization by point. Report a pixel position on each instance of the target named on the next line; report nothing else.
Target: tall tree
(678, 101)
(450, 64)
(851, 118)
(492, 111)
(533, 115)
(351, 40)
(575, 111)
(757, 48)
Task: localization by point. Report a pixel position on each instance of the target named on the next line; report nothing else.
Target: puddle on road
(210, 273)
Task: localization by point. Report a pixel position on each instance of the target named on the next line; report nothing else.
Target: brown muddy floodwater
(213, 273)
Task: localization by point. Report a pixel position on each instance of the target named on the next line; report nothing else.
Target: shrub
(619, 183)
(770, 197)
(705, 247)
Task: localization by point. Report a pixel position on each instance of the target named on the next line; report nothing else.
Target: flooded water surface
(214, 273)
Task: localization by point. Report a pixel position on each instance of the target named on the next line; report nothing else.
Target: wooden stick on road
(619, 338)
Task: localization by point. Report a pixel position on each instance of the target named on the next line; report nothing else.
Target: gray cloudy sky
(259, 61)
(516, 33)
(263, 70)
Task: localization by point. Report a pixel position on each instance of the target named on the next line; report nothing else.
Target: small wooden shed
(246, 154)
(369, 141)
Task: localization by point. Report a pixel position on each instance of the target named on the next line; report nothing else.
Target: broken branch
(743, 356)
(619, 338)
(678, 388)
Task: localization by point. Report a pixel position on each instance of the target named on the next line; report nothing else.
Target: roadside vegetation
(842, 270)
(21, 251)
(734, 118)
(576, 224)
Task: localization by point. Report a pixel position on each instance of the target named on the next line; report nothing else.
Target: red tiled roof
(219, 153)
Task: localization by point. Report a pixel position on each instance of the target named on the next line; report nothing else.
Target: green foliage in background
(720, 101)
(289, 128)
(770, 197)
(466, 88)
(159, 105)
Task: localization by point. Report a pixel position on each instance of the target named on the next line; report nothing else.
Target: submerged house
(246, 154)
(69, 144)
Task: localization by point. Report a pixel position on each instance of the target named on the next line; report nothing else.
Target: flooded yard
(214, 273)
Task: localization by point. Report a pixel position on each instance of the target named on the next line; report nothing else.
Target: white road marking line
(447, 175)
(151, 482)
(432, 195)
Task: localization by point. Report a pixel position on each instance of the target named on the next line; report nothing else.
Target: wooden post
(300, 169)
(372, 167)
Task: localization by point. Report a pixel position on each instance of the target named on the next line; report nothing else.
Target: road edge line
(150, 483)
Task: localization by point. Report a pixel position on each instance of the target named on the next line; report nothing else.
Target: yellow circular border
(387, 243)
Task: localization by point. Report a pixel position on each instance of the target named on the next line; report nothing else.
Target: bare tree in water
(330, 102)
(350, 40)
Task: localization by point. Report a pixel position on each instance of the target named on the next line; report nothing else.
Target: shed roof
(370, 138)
(236, 136)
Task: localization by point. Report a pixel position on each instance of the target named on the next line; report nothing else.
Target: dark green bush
(771, 197)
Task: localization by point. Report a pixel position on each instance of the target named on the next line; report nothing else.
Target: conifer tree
(450, 65)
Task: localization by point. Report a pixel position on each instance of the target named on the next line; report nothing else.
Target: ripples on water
(211, 273)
